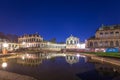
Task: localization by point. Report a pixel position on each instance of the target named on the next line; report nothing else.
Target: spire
(102, 25)
(71, 35)
(36, 32)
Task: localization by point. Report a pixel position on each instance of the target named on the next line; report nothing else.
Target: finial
(102, 25)
(36, 32)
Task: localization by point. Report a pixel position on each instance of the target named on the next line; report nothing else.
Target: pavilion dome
(71, 59)
(72, 40)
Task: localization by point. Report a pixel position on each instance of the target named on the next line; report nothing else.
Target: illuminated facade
(10, 46)
(74, 43)
(30, 40)
(53, 46)
(36, 41)
(105, 37)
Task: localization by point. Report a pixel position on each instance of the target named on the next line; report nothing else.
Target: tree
(53, 40)
(10, 37)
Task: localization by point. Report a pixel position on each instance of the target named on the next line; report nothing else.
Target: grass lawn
(104, 54)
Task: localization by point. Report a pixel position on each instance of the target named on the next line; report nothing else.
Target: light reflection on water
(61, 67)
(4, 63)
(34, 59)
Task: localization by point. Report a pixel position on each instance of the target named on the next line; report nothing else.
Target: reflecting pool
(60, 66)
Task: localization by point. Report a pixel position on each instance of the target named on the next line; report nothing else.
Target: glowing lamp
(23, 43)
(23, 57)
(78, 55)
(78, 45)
(4, 65)
(5, 45)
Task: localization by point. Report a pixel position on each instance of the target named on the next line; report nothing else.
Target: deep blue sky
(57, 18)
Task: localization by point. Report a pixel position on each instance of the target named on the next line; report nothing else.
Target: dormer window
(101, 34)
(111, 33)
(117, 33)
(106, 34)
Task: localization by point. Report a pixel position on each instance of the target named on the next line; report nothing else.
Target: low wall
(103, 59)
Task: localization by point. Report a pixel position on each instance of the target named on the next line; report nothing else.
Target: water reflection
(71, 59)
(30, 59)
(102, 71)
(106, 70)
(4, 63)
(36, 59)
(57, 66)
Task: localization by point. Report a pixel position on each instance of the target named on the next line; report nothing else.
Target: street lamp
(4, 64)
(5, 45)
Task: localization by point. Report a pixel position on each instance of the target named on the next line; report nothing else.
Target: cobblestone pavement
(4, 75)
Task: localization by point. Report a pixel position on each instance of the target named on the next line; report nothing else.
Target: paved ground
(4, 75)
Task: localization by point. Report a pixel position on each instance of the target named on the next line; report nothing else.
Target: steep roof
(109, 27)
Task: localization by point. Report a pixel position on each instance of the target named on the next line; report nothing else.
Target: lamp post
(5, 46)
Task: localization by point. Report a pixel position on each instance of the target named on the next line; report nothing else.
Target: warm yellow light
(5, 45)
(23, 57)
(78, 55)
(78, 45)
(83, 46)
(4, 65)
(23, 43)
(27, 55)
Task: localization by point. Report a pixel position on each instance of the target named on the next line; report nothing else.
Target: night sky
(57, 18)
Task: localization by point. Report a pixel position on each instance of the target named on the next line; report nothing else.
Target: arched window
(75, 42)
(117, 33)
(101, 34)
(111, 44)
(95, 44)
(106, 43)
(33, 40)
(91, 44)
(111, 33)
(67, 42)
(106, 34)
(117, 43)
(100, 44)
(71, 42)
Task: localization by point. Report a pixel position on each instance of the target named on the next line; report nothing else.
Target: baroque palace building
(30, 40)
(36, 41)
(9, 45)
(105, 37)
